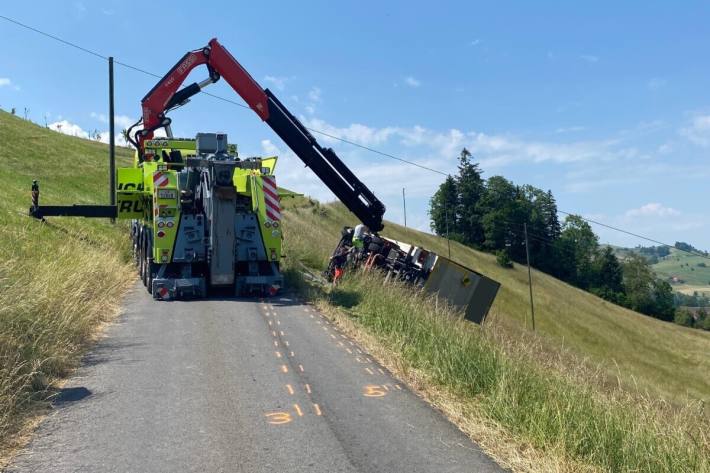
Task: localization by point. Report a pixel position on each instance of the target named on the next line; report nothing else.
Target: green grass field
(693, 270)
(59, 280)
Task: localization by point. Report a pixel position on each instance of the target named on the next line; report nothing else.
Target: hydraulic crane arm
(220, 63)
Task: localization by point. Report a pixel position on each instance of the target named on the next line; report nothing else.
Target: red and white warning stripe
(271, 197)
(160, 179)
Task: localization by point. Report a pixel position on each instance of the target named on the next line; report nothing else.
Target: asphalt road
(239, 385)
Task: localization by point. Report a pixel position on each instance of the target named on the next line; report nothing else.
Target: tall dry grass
(55, 289)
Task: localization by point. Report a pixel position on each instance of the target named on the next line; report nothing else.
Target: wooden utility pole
(527, 256)
(448, 242)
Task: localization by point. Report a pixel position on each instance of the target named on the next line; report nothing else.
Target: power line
(56, 38)
(320, 132)
(634, 234)
(224, 99)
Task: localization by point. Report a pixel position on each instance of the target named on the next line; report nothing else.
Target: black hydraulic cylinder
(184, 94)
(326, 164)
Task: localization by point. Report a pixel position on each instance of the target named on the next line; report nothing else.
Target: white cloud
(278, 82)
(698, 131)
(72, 129)
(665, 148)
(412, 82)
(121, 121)
(6, 82)
(356, 132)
(314, 95)
(589, 58)
(570, 129)
(475, 42)
(68, 128)
(656, 83)
(652, 209)
(491, 150)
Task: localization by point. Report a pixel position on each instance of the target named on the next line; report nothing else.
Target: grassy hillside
(661, 358)
(687, 273)
(693, 270)
(58, 280)
(511, 390)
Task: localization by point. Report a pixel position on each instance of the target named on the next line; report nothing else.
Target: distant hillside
(687, 273)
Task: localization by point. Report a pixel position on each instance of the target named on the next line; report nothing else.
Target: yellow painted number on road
(373, 390)
(278, 418)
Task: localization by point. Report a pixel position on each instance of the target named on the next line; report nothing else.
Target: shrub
(503, 259)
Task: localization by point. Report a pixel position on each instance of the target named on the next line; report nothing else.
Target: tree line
(490, 215)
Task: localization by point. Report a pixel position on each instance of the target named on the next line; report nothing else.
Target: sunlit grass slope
(645, 354)
(58, 280)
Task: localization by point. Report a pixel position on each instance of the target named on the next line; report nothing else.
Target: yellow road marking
(317, 409)
(292, 354)
(273, 332)
(380, 370)
(278, 354)
(300, 367)
(281, 332)
(289, 388)
(369, 371)
(278, 418)
(398, 386)
(308, 388)
(276, 343)
(298, 410)
(373, 390)
(284, 368)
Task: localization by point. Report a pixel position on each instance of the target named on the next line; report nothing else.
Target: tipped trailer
(464, 288)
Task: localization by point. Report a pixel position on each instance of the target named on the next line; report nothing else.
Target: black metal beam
(88, 211)
(326, 164)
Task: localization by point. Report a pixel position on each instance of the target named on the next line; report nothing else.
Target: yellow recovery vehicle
(201, 216)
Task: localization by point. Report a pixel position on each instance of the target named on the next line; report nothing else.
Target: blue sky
(605, 104)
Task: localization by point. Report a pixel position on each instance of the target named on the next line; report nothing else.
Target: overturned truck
(464, 288)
